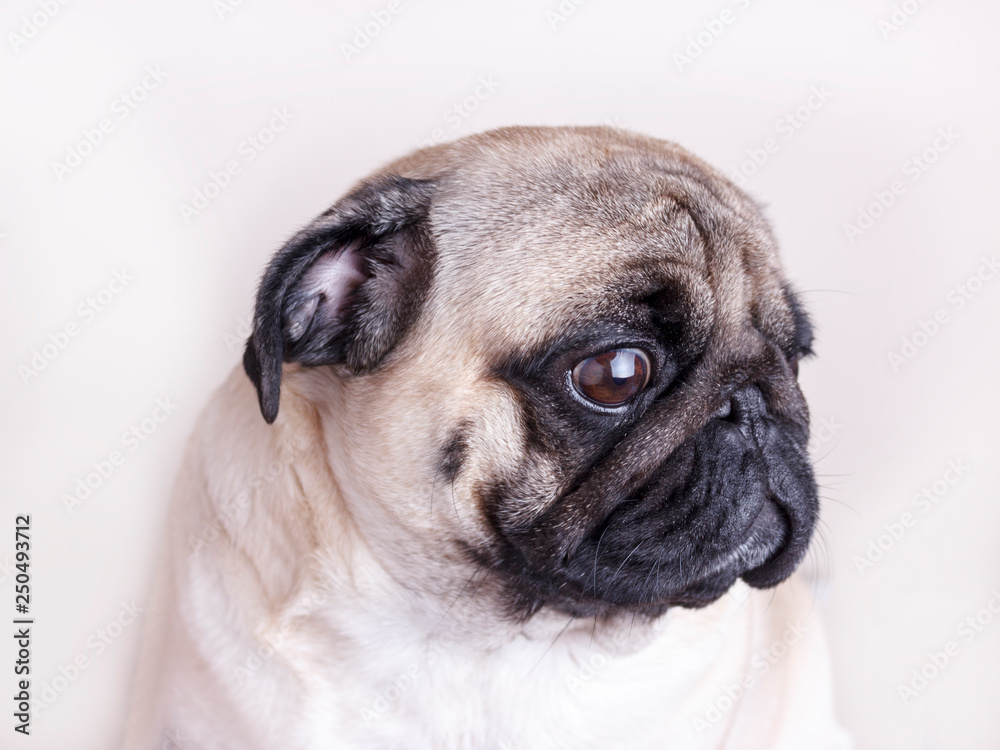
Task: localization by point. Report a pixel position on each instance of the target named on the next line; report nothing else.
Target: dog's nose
(743, 407)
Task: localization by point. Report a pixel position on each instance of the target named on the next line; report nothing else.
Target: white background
(172, 332)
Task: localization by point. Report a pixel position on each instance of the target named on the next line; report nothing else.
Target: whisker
(825, 455)
(842, 503)
(454, 504)
(479, 585)
(634, 613)
(827, 291)
(626, 559)
(437, 478)
(596, 553)
(646, 579)
(545, 653)
(479, 568)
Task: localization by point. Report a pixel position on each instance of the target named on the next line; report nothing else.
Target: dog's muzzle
(735, 499)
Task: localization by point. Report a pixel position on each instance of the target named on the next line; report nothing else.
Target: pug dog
(516, 458)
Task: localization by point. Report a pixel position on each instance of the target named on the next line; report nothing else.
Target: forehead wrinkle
(525, 240)
(472, 243)
(741, 258)
(504, 302)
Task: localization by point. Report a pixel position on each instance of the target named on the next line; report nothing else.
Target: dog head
(565, 356)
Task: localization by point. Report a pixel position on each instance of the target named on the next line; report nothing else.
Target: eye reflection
(613, 377)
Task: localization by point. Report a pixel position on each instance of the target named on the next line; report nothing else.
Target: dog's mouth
(764, 541)
(699, 525)
(650, 581)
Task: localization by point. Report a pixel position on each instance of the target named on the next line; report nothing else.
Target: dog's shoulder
(246, 495)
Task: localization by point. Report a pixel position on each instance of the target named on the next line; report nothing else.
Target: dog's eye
(612, 378)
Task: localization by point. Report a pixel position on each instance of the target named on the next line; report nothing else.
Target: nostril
(742, 406)
(724, 411)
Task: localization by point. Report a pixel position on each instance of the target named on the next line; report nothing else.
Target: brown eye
(612, 378)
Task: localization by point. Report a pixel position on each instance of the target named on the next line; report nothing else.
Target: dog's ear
(343, 290)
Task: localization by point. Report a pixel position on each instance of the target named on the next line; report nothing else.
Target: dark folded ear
(344, 289)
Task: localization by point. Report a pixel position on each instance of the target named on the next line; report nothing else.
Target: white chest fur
(632, 685)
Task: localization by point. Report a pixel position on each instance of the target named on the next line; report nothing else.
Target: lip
(765, 538)
(782, 558)
(767, 535)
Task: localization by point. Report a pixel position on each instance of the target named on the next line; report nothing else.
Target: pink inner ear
(333, 274)
(329, 282)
